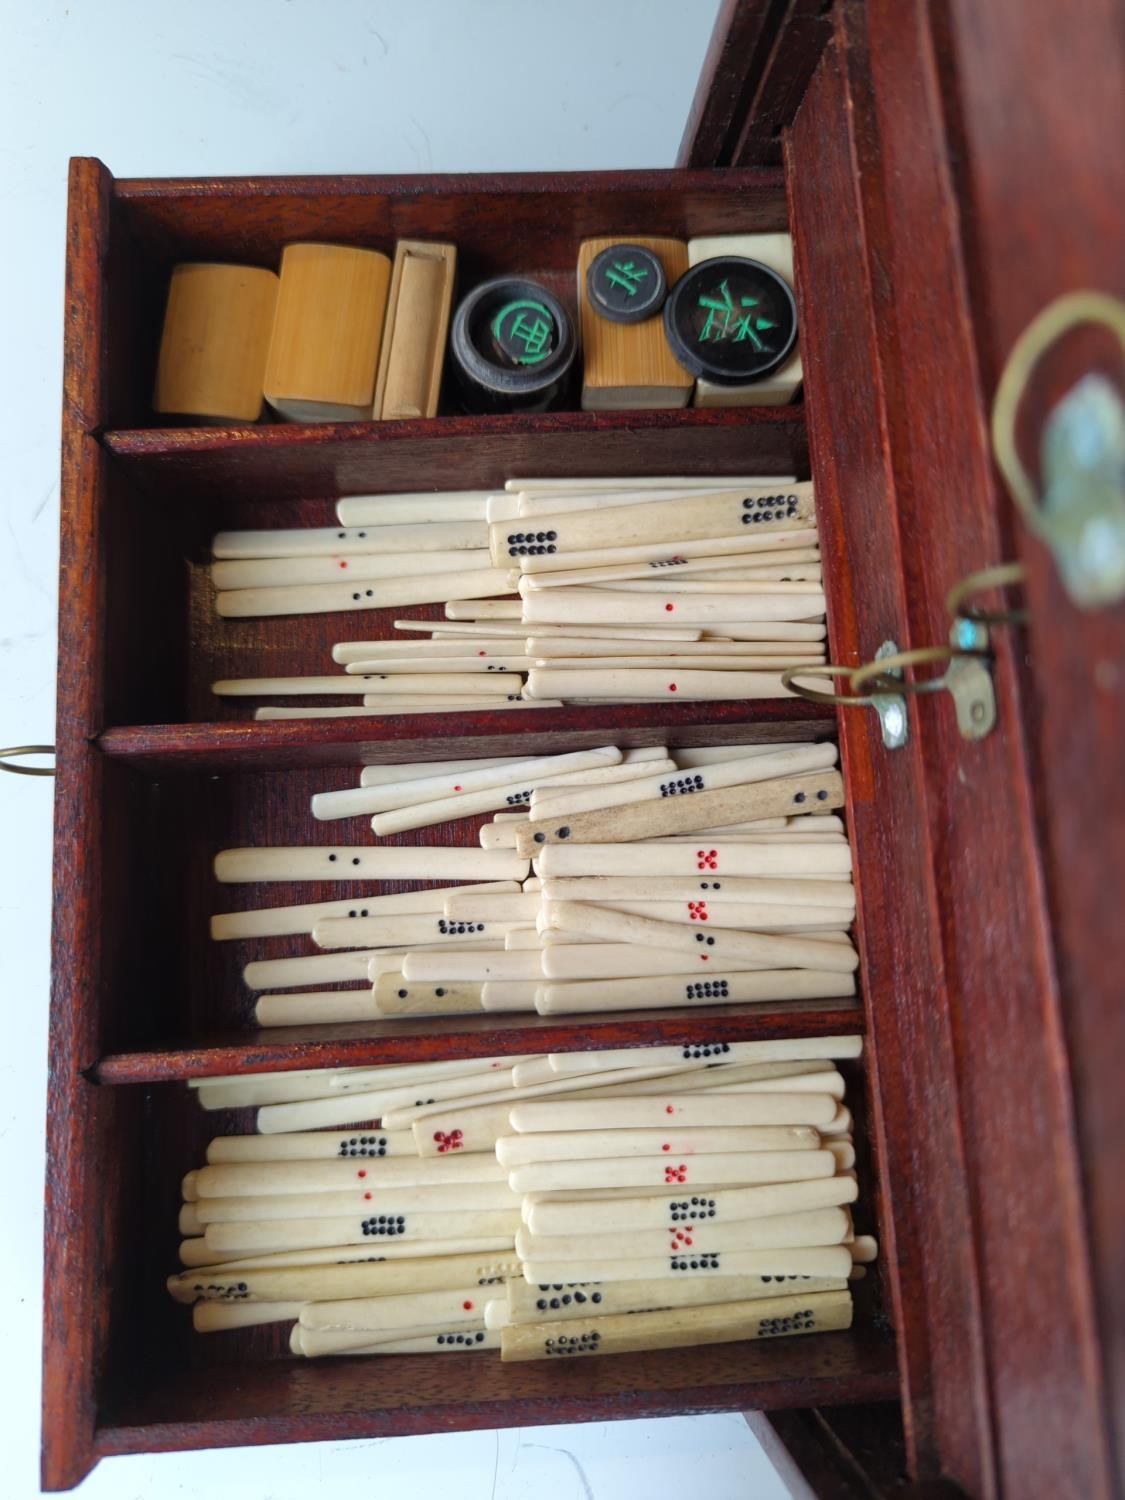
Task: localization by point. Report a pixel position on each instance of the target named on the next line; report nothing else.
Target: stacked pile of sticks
(570, 1204)
(644, 591)
(689, 877)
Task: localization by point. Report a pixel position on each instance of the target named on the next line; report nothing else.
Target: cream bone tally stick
(453, 1306)
(581, 1145)
(315, 1343)
(381, 707)
(438, 702)
(357, 1229)
(702, 663)
(741, 544)
(422, 505)
(359, 1200)
(236, 1179)
(719, 1206)
(610, 890)
(503, 995)
(395, 996)
(451, 1341)
(677, 567)
(483, 609)
(709, 1170)
(843, 1151)
(218, 1317)
(521, 778)
(441, 684)
(274, 572)
(345, 1107)
(371, 593)
(341, 862)
(584, 485)
(782, 587)
(348, 653)
(707, 859)
(730, 914)
(467, 804)
(496, 906)
(797, 952)
(360, 1079)
(706, 755)
(555, 502)
(401, 931)
(610, 685)
(416, 770)
(606, 961)
(311, 1145)
(668, 992)
(189, 1223)
(686, 1110)
(696, 1234)
(688, 814)
(683, 519)
(693, 1075)
(475, 662)
(579, 644)
(390, 960)
(676, 1328)
(195, 1255)
(280, 921)
(319, 968)
(243, 1091)
(336, 541)
(505, 629)
(352, 801)
(832, 1261)
(600, 1299)
(572, 607)
(780, 1049)
(662, 785)
(466, 965)
(327, 1283)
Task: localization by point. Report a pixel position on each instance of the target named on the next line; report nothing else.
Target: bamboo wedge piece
(676, 1328)
(688, 814)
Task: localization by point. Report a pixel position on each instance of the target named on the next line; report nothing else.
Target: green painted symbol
(627, 276)
(529, 323)
(724, 322)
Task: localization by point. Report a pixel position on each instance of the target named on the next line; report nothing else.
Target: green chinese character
(723, 322)
(626, 275)
(528, 322)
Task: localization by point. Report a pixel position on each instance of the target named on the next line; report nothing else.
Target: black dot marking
(540, 838)
(332, 859)
(439, 993)
(822, 795)
(564, 833)
(799, 797)
(402, 994)
(341, 535)
(356, 860)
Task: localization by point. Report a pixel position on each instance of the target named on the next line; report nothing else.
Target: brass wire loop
(14, 751)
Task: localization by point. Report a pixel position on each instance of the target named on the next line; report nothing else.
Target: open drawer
(961, 1004)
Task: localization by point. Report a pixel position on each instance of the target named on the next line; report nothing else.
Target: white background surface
(219, 87)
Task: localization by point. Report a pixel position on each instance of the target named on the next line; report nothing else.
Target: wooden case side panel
(1041, 1355)
(1042, 183)
(926, 1226)
(742, 35)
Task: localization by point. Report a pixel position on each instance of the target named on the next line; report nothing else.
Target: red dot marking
(669, 607)
(688, 1240)
(703, 957)
(361, 1174)
(668, 1110)
(672, 687)
(482, 653)
(666, 1147)
(457, 788)
(468, 1306)
(343, 564)
(367, 1197)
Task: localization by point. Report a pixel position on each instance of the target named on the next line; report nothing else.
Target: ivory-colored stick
(415, 770)
(243, 1092)
(781, 587)
(444, 785)
(682, 519)
(189, 1223)
(760, 917)
(662, 785)
(391, 960)
(579, 958)
(689, 814)
(676, 1328)
(414, 685)
(840, 1123)
(517, 907)
(402, 931)
(601, 1299)
(706, 860)
(715, 945)
(469, 804)
(345, 1108)
(609, 890)
(684, 1110)
(658, 1145)
(326, 1283)
(318, 968)
(532, 503)
(279, 921)
(865, 1248)
(703, 663)
(702, 1071)
(347, 653)
(316, 1343)
(303, 1234)
(395, 996)
(218, 1317)
(451, 629)
(452, 662)
(497, 835)
(362, 862)
(284, 572)
(343, 1255)
(483, 609)
(829, 1260)
(585, 485)
(676, 567)
(508, 995)
(236, 1179)
(393, 1074)
(420, 506)
(742, 544)
(722, 1206)
(240, 1089)
(669, 992)
(600, 606)
(708, 1170)
(610, 685)
(431, 705)
(454, 1341)
(333, 541)
(826, 1083)
(313, 1145)
(358, 1202)
(780, 1049)
(470, 965)
(844, 1152)
(454, 1306)
(827, 1226)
